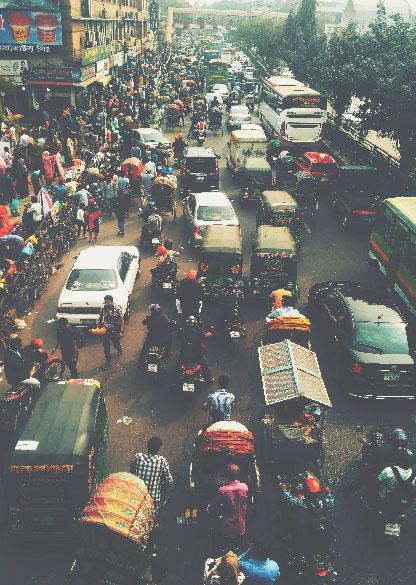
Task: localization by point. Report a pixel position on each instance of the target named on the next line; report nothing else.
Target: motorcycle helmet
(191, 275)
(154, 308)
(191, 321)
(37, 342)
(399, 438)
(312, 484)
(168, 244)
(161, 250)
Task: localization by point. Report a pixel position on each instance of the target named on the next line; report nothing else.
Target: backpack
(405, 491)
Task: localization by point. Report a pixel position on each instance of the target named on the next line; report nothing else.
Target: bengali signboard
(29, 32)
(12, 67)
(50, 73)
(95, 54)
(153, 14)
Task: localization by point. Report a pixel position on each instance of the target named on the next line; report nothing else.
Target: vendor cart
(295, 405)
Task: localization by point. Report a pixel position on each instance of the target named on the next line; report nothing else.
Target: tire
(54, 370)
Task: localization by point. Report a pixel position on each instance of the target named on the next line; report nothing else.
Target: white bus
(292, 112)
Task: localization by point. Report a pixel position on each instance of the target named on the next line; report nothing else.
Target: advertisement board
(95, 54)
(28, 32)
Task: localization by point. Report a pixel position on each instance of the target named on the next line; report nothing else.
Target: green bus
(393, 247)
(209, 54)
(217, 72)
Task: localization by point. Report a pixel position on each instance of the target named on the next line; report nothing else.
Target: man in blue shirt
(220, 402)
(257, 567)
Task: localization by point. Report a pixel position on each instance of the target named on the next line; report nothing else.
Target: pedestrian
(6, 187)
(257, 567)
(81, 225)
(15, 367)
(36, 178)
(68, 344)
(220, 401)
(111, 317)
(121, 206)
(147, 183)
(153, 470)
(228, 511)
(59, 191)
(123, 185)
(109, 195)
(92, 217)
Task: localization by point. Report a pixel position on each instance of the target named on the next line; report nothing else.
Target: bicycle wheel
(54, 370)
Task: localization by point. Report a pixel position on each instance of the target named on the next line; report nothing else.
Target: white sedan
(221, 89)
(98, 271)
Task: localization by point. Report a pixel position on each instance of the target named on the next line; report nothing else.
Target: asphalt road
(328, 253)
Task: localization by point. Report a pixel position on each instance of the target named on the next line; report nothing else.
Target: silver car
(203, 209)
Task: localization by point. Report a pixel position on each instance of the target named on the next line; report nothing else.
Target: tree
(349, 16)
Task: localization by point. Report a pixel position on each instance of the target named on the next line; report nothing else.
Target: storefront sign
(102, 67)
(86, 72)
(29, 32)
(50, 73)
(12, 67)
(116, 60)
(95, 54)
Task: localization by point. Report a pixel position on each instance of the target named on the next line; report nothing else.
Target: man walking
(220, 402)
(153, 469)
(121, 207)
(67, 341)
(111, 317)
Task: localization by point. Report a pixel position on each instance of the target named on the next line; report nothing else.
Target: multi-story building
(63, 52)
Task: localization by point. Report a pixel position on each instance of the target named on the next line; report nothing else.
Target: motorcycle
(190, 375)
(14, 404)
(151, 235)
(52, 369)
(200, 135)
(232, 324)
(155, 361)
(165, 280)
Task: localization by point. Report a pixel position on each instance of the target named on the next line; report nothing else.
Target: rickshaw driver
(166, 263)
(179, 146)
(277, 296)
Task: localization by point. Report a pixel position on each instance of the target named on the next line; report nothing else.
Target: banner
(29, 32)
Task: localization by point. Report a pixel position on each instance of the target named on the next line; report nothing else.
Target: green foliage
(265, 35)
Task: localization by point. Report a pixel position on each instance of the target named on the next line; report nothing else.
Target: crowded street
(140, 406)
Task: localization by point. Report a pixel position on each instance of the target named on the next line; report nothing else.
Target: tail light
(321, 572)
(189, 372)
(357, 368)
(197, 230)
(245, 194)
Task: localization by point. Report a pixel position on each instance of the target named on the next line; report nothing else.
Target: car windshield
(152, 136)
(201, 165)
(378, 337)
(214, 213)
(92, 279)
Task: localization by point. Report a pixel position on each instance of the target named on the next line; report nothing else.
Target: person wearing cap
(165, 265)
(111, 317)
(277, 296)
(189, 296)
(159, 332)
(228, 511)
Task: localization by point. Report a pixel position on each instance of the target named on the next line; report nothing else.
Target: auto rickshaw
(273, 262)
(115, 530)
(221, 259)
(279, 208)
(255, 176)
(57, 461)
(216, 447)
(163, 194)
(295, 405)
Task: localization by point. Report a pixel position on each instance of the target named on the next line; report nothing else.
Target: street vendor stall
(295, 405)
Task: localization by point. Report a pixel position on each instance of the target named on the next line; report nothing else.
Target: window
(214, 213)
(91, 279)
(124, 265)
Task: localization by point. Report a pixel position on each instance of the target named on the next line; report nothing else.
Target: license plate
(234, 334)
(200, 178)
(167, 285)
(392, 529)
(88, 321)
(391, 377)
(155, 240)
(187, 387)
(152, 368)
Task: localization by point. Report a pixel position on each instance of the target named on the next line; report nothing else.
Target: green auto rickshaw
(57, 461)
(255, 176)
(221, 259)
(279, 208)
(273, 261)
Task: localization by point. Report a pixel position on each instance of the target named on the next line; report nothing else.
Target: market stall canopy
(291, 371)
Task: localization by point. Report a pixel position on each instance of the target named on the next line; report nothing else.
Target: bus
(392, 247)
(217, 72)
(209, 54)
(293, 112)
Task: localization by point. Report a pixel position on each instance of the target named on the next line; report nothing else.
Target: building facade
(63, 52)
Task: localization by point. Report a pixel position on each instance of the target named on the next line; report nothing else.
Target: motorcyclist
(197, 117)
(397, 483)
(34, 353)
(215, 103)
(159, 332)
(192, 338)
(166, 265)
(179, 146)
(16, 369)
(153, 225)
(189, 296)
(162, 158)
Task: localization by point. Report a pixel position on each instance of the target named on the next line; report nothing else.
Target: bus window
(385, 224)
(409, 255)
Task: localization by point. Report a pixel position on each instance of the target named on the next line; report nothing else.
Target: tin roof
(225, 239)
(290, 371)
(271, 239)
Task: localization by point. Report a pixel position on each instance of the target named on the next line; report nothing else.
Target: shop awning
(104, 80)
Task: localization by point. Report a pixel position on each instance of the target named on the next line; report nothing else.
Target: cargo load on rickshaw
(295, 405)
(115, 530)
(163, 194)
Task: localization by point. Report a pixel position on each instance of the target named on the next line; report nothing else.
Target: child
(14, 205)
(81, 221)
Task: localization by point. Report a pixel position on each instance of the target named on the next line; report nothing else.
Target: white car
(98, 271)
(203, 209)
(253, 128)
(238, 115)
(221, 89)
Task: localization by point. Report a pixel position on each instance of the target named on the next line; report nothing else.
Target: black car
(375, 343)
(358, 194)
(200, 170)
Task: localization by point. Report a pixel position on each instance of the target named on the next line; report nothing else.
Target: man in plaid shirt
(153, 469)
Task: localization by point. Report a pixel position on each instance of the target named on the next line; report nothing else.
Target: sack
(99, 330)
